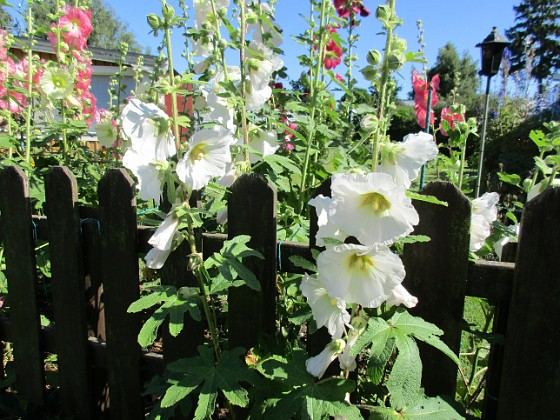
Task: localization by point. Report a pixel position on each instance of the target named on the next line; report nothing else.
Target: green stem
(243, 95)
(218, 40)
(536, 175)
(552, 176)
(174, 108)
(313, 95)
(383, 90)
(29, 110)
(462, 164)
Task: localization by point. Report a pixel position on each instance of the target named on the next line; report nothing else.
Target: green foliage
(295, 392)
(173, 304)
(210, 378)
(536, 20)
(423, 408)
(232, 272)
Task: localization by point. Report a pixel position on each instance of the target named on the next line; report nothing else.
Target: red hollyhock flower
(450, 117)
(333, 52)
(344, 8)
(421, 90)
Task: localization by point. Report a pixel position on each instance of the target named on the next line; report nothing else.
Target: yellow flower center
(197, 152)
(333, 302)
(377, 202)
(360, 262)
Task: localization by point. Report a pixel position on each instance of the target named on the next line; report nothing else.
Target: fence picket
(436, 273)
(68, 286)
(252, 211)
(119, 264)
(530, 382)
(19, 252)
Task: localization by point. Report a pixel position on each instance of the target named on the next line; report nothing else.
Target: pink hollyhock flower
(344, 8)
(75, 26)
(83, 77)
(339, 77)
(450, 117)
(333, 52)
(421, 90)
(88, 101)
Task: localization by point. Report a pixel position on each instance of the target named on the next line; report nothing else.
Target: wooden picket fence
(94, 257)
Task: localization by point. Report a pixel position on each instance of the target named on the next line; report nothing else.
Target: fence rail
(95, 276)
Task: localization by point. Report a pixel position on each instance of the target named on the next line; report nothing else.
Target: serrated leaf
(538, 138)
(175, 393)
(158, 294)
(225, 376)
(425, 198)
(424, 408)
(376, 333)
(148, 332)
(406, 374)
(304, 263)
(284, 162)
(315, 401)
(421, 330)
(378, 361)
(512, 179)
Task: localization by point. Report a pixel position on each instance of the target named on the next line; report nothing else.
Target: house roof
(100, 56)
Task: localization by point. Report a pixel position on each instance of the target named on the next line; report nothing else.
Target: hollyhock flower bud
(369, 122)
(168, 12)
(317, 365)
(398, 44)
(370, 73)
(395, 60)
(374, 57)
(383, 12)
(154, 21)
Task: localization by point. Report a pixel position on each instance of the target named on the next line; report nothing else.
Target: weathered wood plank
(533, 340)
(252, 211)
(119, 265)
(491, 280)
(436, 274)
(19, 252)
(68, 292)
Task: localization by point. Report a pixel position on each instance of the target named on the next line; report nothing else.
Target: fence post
(252, 211)
(119, 265)
(531, 371)
(436, 274)
(68, 285)
(19, 251)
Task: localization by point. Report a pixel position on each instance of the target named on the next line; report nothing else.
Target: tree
(458, 76)
(6, 21)
(108, 31)
(537, 32)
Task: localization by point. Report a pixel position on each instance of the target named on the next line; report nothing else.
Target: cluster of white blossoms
(374, 209)
(483, 213)
(214, 149)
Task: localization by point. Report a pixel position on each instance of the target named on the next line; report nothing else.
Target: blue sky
(464, 23)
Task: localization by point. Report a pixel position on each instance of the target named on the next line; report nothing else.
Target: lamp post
(491, 50)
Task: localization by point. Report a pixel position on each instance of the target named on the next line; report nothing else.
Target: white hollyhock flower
(267, 54)
(326, 228)
(400, 296)
(162, 238)
(371, 207)
(149, 130)
(262, 30)
(346, 361)
(403, 160)
(56, 83)
(327, 311)
(106, 132)
(155, 258)
(256, 98)
(263, 142)
(149, 173)
(207, 157)
(204, 13)
(483, 213)
(360, 274)
(540, 187)
(317, 365)
(512, 237)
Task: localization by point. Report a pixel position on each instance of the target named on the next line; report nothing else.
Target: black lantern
(491, 50)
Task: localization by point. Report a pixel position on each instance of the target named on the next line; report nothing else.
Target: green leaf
(377, 333)
(406, 374)
(512, 179)
(210, 378)
(176, 393)
(424, 408)
(425, 198)
(148, 333)
(378, 362)
(158, 294)
(284, 162)
(424, 331)
(304, 263)
(538, 138)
